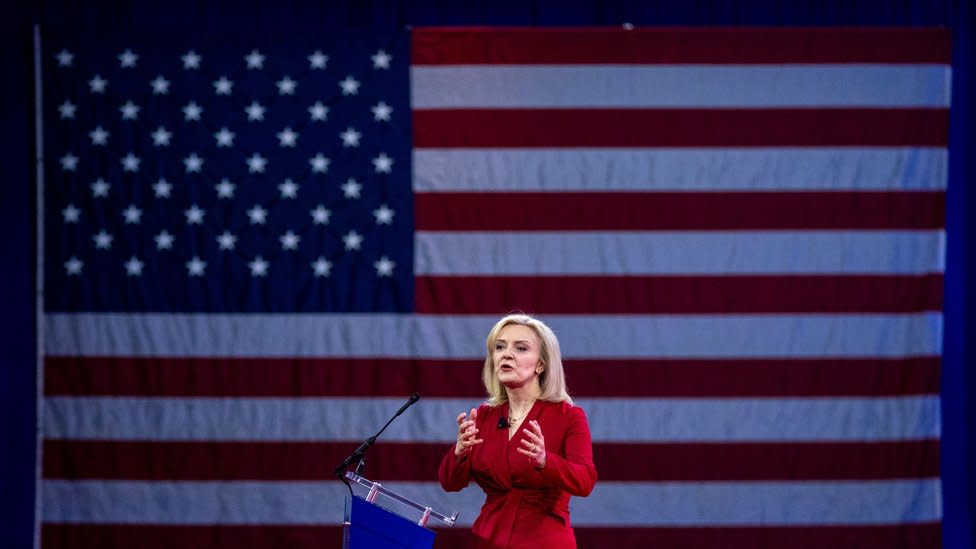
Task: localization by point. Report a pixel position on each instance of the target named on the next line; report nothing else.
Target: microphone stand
(359, 453)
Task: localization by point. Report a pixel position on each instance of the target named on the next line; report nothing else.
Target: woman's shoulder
(564, 408)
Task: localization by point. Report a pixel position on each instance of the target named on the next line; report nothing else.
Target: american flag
(254, 252)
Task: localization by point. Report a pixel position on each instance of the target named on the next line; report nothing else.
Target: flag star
(226, 240)
(353, 240)
(127, 59)
(132, 214)
(350, 86)
(384, 215)
(67, 109)
(381, 111)
(225, 189)
(286, 86)
(287, 137)
(350, 138)
(318, 111)
(225, 138)
(162, 188)
(65, 58)
(254, 111)
(259, 267)
(195, 266)
(383, 163)
(191, 60)
(164, 240)
(351, 188)
(99, 136)
(193, 163)
(97, 84)
(322, 267)
(223, 86)
(69, 162)
(133, 267)
(129, 110)
(100, 187)
(254, 60)
(257, 215)
(103, 240)
(317, 60)
(384, 267)
(192, 111)
(289, 241)
(256, 163)
(288, 189)
(161, 137)
(71, 213)
(381, 60)
(73, 266)
(130, 163)
(160, 85)
(320, 215)
(320, 164)
(194, 216)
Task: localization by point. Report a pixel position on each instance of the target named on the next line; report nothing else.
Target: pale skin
(517, 364)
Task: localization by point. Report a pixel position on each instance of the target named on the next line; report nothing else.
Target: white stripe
(432, 420)
(679, 252)
(610, 504)
(636, 336)
(663, 86)
(659, 169)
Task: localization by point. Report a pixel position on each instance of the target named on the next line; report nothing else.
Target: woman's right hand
(467, 433)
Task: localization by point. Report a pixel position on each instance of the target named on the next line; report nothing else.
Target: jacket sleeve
(455, 472)
(574, 473)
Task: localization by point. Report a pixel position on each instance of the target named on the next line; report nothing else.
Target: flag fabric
(254, 253)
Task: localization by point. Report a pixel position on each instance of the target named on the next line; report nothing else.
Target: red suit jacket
(525, 506)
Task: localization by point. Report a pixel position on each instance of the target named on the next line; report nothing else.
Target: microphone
(358, 454)
(503, 422)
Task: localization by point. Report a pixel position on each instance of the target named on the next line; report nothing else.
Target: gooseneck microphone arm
(361, 450)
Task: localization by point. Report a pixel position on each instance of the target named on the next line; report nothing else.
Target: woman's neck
(520, 400)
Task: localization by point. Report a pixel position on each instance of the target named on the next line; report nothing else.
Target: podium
(380, 518)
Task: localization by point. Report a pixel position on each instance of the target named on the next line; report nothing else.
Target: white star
(192, 111)
(254, 60)
(318, 111)
(195, 266)
(130, 163)
(226, 240)
(287, 137)
(133, 267)
(289, 241)
(129, 110)
(65, 58)
(254, 111)
(225, 189)
(384, 215)
(383, 163)
(191, 60)
(69, 162)
(127, 59)
(321, 266)
(320, 164)
(381, 111)
(71, 213)
(384, 267)
(353, 240)
(161, 137)
(256, 163)
(160, 86)
(73, 266)
(286, 86)
(223, 86)
(288, 189)
(103, 240)
(259, 267)
(320, 215)
(97, 84)
(258, 215)
(162, 188)
(317, 60)
(194, 216)
(225, 138)
(164, 240)
(381, 60)
(100, 187)
(350, 86)
(193, 163)
(350, 138)
(351, 188)
(67, 109)
(132, 214)
(98, 136)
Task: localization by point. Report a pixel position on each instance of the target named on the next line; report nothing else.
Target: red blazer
(525, 506)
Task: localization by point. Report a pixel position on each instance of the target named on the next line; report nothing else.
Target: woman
(528, 447)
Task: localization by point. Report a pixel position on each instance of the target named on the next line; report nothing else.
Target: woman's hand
(534, 445)
(467, 433)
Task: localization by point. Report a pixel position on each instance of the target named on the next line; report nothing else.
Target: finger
(536, 427)
(533, 437)
(473, 414)
(460, 417)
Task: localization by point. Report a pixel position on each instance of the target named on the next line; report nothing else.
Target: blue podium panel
(372, 527)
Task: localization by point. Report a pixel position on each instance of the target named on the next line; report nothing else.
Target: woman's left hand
(534, 445)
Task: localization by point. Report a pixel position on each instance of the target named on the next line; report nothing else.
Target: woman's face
(516, 355)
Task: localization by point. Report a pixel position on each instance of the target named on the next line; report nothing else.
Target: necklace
(513, 420)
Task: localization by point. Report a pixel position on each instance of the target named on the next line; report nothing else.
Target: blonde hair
(552, 380)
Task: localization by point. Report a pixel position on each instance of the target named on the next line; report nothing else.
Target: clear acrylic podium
(377, 517)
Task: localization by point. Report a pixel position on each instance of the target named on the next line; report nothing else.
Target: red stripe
(700, 211)
(683, 45)
(679, 294)
(108, 536)
(300, 377)
(302, 461)
(451, 128)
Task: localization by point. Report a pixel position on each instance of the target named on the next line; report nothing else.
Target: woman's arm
(574, 473)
